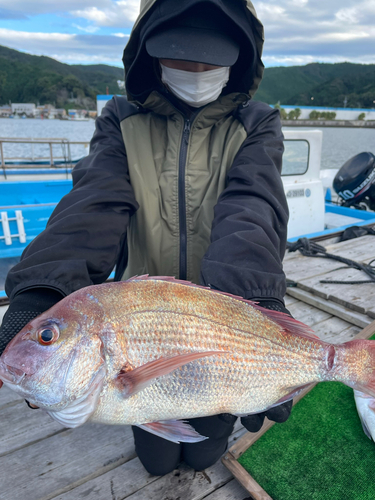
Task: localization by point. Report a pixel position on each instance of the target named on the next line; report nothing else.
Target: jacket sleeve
(249, 229)
(84, 234)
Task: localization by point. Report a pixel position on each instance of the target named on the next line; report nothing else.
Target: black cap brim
(194, 44)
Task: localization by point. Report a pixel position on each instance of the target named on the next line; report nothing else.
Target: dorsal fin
(285, 321)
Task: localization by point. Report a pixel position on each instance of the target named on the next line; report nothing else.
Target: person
(182, 179)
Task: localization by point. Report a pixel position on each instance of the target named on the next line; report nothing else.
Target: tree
(314, 115)
(362, 116)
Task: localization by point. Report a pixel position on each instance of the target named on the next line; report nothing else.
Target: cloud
(67, 47)
(87, 29)
(300, 31)
(33, 7)
(296, 31)
(121, 13)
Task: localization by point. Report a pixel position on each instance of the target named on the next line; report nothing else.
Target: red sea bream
(153, 351)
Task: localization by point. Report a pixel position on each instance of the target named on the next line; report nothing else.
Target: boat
(26, 206)
(49, 158)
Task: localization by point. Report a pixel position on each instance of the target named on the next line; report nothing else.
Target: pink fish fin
(133, 381)
(284, 399)
(176, 431)
(287, 322)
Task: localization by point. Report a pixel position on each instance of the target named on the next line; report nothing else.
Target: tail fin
(355, 365)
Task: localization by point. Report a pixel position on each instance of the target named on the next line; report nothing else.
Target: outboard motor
(355, 182)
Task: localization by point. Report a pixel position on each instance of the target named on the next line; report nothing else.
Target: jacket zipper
(182, 199)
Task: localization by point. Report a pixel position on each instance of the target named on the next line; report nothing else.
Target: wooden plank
(289, 301)
(230, 491)
(244, 478)
(309, 315)
(59, 463)
(358, 297)
(186, 484)
(131, 477)
(8, 397)
(118, 483)
(338, 310)
(336, 331)
(21, 426)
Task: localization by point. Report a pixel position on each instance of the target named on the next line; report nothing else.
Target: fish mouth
(11, 375)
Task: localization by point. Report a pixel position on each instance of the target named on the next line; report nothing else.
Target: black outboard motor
(355, 182)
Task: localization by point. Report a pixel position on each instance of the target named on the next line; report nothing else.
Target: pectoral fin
(173, 430)
(133, 381)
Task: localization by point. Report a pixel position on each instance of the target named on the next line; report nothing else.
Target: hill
(27, 78)
(329, 84)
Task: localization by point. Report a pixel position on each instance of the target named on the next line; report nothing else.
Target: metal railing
(65, 160)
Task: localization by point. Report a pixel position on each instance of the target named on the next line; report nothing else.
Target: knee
(158, 456)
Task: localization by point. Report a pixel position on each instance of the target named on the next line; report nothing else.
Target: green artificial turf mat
(320, 453)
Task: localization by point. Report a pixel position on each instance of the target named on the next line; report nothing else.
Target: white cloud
(66, 47)
(121, 13)
(87, 29)
(25, 36)
(296, 30)
(33, 7)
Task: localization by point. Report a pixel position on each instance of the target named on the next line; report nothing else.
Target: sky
(95, 31)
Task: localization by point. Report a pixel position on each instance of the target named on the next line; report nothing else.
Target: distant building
(341, 113)
(5, 111)
(28, 109)
(101, 101)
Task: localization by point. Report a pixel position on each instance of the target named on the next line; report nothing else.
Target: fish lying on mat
(152, 351)
(366, 411)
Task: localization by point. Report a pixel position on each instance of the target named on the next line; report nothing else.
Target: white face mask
(195, 88)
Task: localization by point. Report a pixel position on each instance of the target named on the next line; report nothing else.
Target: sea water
(339, 144)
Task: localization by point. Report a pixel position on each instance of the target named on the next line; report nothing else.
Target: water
(42, 129)
(339, 144)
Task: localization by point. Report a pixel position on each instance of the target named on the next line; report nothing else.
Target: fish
(156, 351)
(366, 410)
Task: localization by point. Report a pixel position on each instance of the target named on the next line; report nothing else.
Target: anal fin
(176, 431)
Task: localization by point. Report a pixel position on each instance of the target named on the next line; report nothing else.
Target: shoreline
(329, 123)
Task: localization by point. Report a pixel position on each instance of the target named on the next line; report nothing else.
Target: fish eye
(48, 335)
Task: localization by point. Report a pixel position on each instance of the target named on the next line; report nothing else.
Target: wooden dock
(40, 460)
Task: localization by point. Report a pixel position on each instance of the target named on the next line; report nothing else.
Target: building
(101, 101)
(341, 113)
(28, 109)
(5, 111)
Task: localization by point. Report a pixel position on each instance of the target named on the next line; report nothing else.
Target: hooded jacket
(167, 191)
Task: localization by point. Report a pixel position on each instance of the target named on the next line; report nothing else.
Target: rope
(310, 249)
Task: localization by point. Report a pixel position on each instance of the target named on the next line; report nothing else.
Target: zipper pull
(187, 131)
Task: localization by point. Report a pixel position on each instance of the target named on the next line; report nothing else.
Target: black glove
(24, 307)
(279, 414)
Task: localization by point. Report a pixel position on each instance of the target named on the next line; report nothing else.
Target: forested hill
(337, 85)
(27, 78)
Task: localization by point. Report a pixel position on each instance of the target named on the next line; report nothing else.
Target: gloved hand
(279, 414)
(24, 307)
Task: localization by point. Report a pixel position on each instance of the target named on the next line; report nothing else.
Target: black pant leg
(217, 428)
(158, 456)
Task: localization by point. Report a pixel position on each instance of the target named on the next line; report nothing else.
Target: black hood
(140, 71)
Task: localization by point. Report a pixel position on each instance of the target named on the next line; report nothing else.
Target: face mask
(196, 89)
